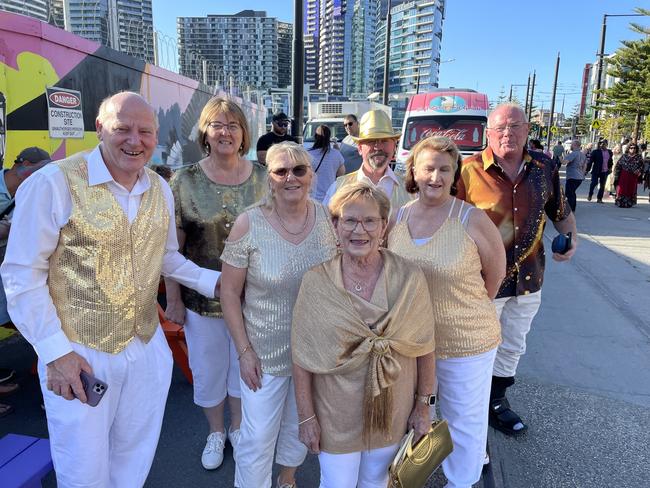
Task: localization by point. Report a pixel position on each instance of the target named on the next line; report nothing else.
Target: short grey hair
(511, 105)
(106, 107)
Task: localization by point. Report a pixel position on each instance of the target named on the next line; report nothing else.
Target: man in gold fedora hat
(376, 144)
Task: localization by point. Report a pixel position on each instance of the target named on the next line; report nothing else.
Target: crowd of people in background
(329, 303)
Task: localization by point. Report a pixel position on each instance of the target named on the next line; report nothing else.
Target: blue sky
(493, 44)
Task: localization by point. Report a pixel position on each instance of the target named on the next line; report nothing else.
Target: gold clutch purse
(413, 465)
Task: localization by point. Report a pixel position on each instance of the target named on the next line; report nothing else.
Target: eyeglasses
(297, 171)
(218, 126)
(502, 128)
(348, 124)
(369, 224)
(282, 124)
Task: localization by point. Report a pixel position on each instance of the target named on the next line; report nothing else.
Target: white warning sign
(64, 114)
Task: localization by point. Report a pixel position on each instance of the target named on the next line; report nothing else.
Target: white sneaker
(212, 456)
(233, 437)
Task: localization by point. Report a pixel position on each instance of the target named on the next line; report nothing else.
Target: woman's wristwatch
(426, 399)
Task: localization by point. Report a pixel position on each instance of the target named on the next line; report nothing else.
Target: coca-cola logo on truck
(64, 99)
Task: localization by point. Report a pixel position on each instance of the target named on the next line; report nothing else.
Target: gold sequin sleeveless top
(275, 269)
(465, 317)
(104, 272)
(206, 210)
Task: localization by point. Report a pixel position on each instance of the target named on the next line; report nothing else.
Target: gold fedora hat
(374, 125)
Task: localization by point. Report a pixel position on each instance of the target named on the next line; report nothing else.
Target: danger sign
(64, 114)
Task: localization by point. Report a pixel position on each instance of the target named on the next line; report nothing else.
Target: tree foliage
(630, 96)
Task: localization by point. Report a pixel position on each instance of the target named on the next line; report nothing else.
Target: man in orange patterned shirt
(519, 191)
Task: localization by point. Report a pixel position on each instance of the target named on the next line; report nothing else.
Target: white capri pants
(516, 314)
(363, 469)
(269, 417)
(112, 444)
(464, 395)
(212, 358)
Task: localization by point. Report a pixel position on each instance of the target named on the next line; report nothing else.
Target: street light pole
(297, 78)
(386, 53)
(550, 118)
(532, 93)
(527, 94)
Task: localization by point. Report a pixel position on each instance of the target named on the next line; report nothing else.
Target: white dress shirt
(385, 183)
(43, 208)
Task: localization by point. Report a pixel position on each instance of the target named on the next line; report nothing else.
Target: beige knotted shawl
(330, 337)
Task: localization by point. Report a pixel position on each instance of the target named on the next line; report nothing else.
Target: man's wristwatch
(426, 399)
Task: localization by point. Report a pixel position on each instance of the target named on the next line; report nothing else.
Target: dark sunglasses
(283, 124)
(297, 171)
(348, 124)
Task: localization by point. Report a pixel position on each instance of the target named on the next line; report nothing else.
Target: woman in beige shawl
(362, 342)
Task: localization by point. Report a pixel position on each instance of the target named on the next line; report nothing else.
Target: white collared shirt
(43, 208)
(385, 183)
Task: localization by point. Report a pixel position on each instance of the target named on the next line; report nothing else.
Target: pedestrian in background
(610, 187)
(209, 196)
(626, 179)
(327, 162)
(600, 164)
(362, 341)
(576, 164)
(349, 149)
(464, 261)
(558, 152)
(268, 250)
(518, 191)
(279, 133)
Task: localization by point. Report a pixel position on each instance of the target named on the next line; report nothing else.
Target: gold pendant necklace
(304, 225)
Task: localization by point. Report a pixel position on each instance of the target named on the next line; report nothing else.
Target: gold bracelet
(307, 420)
(243, 351)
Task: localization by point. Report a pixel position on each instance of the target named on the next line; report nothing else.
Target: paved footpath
(584, 384)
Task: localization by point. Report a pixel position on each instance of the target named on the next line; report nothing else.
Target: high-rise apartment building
(32, 8)
(124, 25)
(285, 42)
(364, 25)
(241, 48)
(415, 40)
(333, 58)
(311, 40)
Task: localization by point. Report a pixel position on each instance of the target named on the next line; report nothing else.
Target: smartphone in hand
(94, 388)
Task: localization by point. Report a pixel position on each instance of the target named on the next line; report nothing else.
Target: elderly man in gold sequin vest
(81, 279)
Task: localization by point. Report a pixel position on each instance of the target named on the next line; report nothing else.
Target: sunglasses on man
(282, 123)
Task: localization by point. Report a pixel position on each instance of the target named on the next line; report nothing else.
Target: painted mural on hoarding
(35, 56)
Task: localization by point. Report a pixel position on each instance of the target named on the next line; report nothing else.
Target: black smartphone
(94, 388)
(562, 243)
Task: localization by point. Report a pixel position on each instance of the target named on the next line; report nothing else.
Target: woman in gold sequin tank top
(270, 248)
(463, 258)
(208, 197)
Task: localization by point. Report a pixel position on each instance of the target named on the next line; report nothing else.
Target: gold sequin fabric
(104, 272)
(465, 317)
(275, 270)
(205, 211)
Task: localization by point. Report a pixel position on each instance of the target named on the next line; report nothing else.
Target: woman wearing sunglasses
(626, 176)
(269, 249)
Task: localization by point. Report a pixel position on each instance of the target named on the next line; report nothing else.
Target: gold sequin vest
(104, 272)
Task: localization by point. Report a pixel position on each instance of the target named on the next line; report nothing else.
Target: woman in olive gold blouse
(209, 195)
(462, 255)
(269, 249)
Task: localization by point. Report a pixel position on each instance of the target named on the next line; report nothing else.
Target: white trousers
(516, 314)
(363, 469)
(212, 358)
(464, 395)
(112, 444)
(269, 417)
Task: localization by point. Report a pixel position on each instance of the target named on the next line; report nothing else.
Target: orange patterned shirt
(519, 210)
